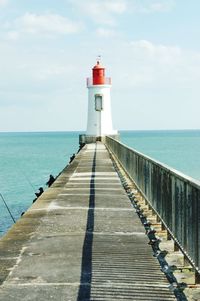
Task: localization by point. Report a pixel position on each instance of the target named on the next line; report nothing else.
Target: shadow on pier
(86, 266)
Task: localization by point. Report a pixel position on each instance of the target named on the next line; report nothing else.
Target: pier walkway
(81, 240)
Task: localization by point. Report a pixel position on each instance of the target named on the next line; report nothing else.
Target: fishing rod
(27, 179)
(7, 208)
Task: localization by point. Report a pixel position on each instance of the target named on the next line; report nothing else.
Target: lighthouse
(99, 121)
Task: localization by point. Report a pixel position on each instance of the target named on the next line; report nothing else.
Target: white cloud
(101, 11)
(160, 6)
(151, 6)
(162, 53)
(154, 85)
(148, 64)
(3, 2)
(47, 72)
(46, 24)
(12, 35)
(106, 33)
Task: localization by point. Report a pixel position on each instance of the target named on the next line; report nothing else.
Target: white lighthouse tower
(99, 122)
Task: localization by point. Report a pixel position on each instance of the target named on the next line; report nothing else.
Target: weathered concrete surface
(81, 241)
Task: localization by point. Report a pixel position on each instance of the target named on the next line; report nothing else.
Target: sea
(27, 160)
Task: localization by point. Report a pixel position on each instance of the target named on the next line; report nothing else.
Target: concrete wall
(85, 139)
(174, 196)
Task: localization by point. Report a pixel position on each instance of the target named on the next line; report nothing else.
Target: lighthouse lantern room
(99, 122)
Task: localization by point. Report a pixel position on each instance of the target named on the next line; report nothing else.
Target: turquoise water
(178, 149)
(27, 159)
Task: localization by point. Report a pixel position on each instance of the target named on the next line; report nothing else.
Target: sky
(150, 48)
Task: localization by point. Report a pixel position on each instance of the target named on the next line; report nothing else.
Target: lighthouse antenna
(98, 58)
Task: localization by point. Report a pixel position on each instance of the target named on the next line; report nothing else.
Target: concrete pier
(81, 240)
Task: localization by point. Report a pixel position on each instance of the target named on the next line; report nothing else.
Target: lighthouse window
(98, 102)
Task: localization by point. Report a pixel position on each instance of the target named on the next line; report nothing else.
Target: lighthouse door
(98, 102)
(98, 108)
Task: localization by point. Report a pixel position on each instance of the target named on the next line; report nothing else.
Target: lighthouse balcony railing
(107, 81)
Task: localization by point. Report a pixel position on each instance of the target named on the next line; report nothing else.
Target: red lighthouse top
(98, 74)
